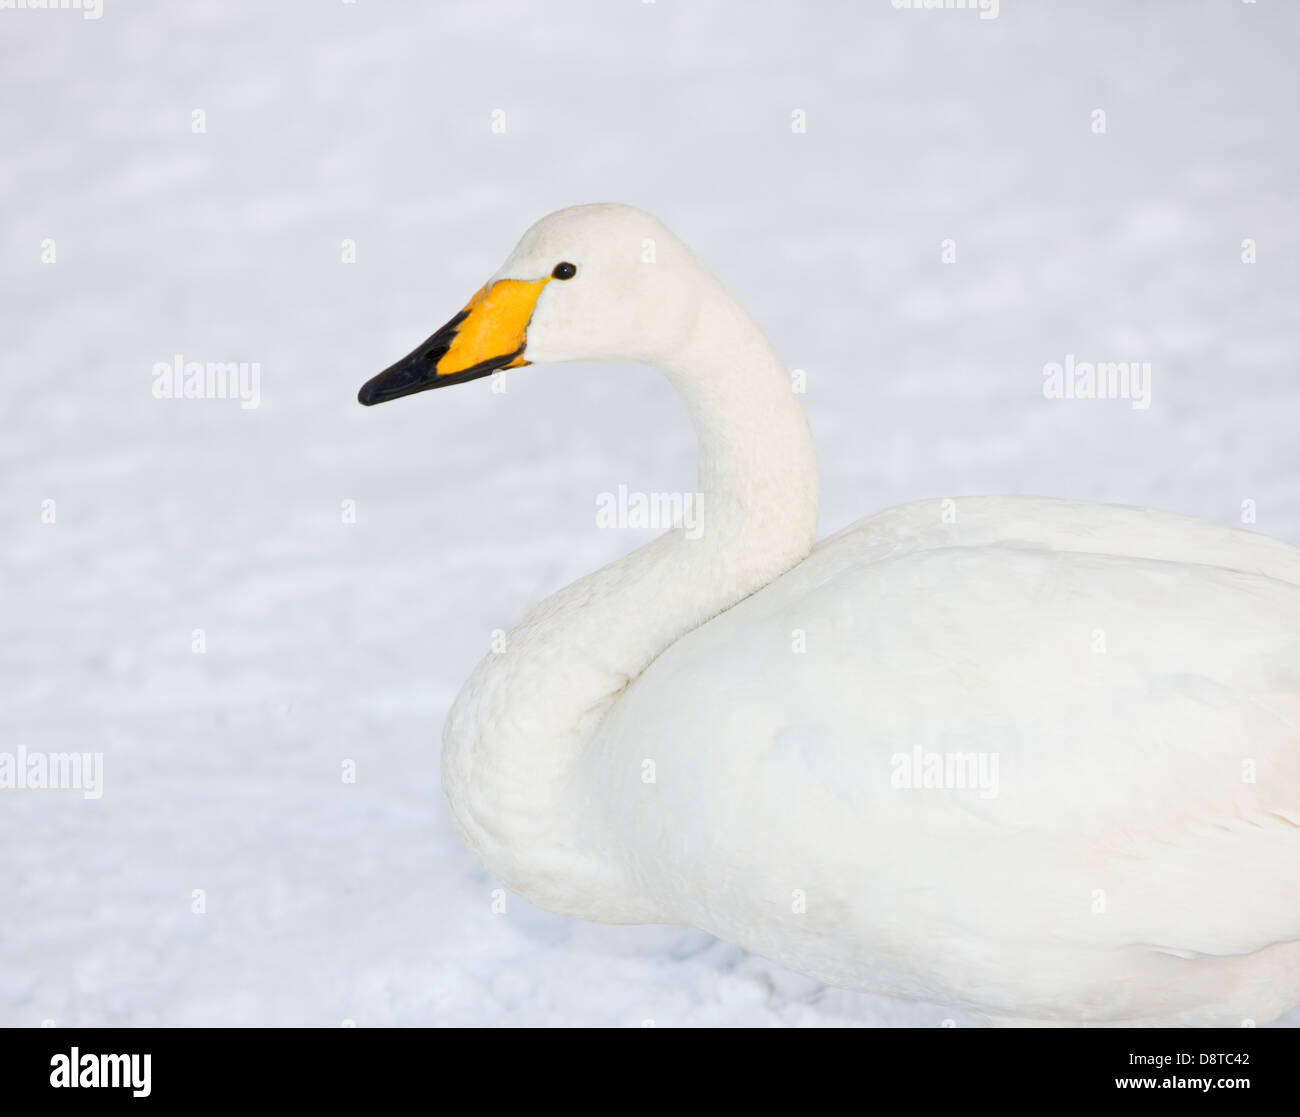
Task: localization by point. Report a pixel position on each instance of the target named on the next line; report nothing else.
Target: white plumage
(1033, 758)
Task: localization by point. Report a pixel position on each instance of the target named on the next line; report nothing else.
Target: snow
(329, 641)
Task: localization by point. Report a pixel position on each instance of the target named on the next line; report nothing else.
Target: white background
(328, 641)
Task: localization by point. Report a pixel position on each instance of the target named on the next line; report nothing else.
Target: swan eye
(564, 271)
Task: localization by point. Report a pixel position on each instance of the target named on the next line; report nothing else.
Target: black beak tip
(404, 378)
(418, 370)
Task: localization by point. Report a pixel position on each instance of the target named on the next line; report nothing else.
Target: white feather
(719, 731)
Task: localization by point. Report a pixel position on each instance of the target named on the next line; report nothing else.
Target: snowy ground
(328, 641)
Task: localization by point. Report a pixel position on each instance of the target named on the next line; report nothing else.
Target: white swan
(743, 731)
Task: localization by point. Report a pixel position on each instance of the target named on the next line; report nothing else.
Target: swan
(1034, 759)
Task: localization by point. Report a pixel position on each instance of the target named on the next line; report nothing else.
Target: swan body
(1036, 759)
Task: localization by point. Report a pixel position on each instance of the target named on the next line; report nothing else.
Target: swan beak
(490, 333)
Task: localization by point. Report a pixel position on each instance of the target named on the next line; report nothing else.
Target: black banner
(356, 1066)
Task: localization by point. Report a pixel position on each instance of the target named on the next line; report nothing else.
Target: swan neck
(518, 732)
(757, 465)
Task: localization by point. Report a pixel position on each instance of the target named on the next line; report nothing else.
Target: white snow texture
(431, 136)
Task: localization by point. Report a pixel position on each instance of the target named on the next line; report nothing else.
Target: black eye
(564, 271)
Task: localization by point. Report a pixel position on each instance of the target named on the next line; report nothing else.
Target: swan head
(593, 282)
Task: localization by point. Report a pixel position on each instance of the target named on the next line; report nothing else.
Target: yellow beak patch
(488, 334)
(493, 325)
